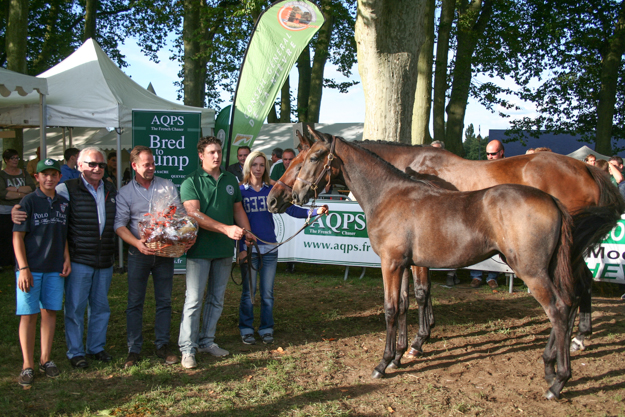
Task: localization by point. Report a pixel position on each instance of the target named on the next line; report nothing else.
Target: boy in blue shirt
(42, 260)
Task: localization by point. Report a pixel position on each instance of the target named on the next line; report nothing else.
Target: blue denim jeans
(203, 273)
(139, 268)
(478, 275)
(86, 286)
(246, 310)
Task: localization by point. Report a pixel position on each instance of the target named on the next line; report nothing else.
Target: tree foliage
(474, 146)
(566, 56)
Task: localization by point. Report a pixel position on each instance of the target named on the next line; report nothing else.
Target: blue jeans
(200, 272)
(478, 274)
(139, 268)
(86, 286)
(246, 310)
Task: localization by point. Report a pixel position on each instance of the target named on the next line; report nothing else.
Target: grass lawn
(329, 335)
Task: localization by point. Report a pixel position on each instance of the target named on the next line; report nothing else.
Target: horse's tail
(561, 267)
(593, 223)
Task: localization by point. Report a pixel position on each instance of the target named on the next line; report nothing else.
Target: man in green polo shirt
(212, 196)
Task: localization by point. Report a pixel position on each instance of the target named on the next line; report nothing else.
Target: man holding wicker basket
(154, 243)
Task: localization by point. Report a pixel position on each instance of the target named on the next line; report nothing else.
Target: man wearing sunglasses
(91, 242)
(494, 150)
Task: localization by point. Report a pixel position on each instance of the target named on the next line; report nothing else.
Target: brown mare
(577, 186)
(413, 222)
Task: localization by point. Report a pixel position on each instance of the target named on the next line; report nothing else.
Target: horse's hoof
(577, 344)
(377, 374)
(550, 395)
(392, 365)
(412, 354)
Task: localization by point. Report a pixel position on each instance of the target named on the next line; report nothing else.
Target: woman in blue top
(254, 189)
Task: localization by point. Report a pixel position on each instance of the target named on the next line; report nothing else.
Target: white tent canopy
(11, 81)
(23, 84)
(87, 89)
(584, 151)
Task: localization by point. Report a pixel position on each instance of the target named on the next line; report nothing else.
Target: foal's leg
(391, 273)
(561, 317)
(585, 312)
(402, 322)
(426, 316)
(562, 330)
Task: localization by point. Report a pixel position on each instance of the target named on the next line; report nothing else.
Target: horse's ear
(302, 140)
(317, 136)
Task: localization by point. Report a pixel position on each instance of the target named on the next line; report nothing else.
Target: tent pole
(42, 126)
(119, 186)
(71, 131)
(64, 143)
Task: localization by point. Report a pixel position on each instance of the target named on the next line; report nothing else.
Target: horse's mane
(385, 142)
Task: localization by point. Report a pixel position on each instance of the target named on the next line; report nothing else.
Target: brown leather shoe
(132, 359)
(493, 284)
(164, 353)
(475, 283)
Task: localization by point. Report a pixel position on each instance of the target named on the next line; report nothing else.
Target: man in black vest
(91, 241)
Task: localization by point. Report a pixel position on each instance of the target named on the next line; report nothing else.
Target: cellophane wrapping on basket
(167, 228)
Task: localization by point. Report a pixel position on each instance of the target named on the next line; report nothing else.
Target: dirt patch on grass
(484, 356)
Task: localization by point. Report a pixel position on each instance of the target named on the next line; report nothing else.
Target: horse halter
(288, 187)
(326, 168)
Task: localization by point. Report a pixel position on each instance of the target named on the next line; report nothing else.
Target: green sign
(339, 223)
(172, 136)
(280, 35)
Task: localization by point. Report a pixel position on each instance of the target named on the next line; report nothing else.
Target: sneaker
(493, 284)
(214, 350)
(476, 282)
(188, 361)
(623, 297)
(132, 360)
(50, 369)
(248, 339)
(267, 338)
(164, 353)
(79, 362)
(26, 378)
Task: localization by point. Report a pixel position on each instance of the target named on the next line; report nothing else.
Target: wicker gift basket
(168, 231)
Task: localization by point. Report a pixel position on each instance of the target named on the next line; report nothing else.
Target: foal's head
(316, 171)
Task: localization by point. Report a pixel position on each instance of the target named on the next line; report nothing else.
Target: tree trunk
(440, 73)
(610, 66)
(319, 61)
(389, 39)
(303, 84)
(474, 17)
(272, 117)
(285, 102)
(91, 10)
(193, 83)
(423, 95)
(16, 36)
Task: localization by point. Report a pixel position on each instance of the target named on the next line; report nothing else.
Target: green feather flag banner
(280, 35)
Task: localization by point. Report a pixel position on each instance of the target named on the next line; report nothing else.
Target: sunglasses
(14, 158)
(102, 165)
(492, 153)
